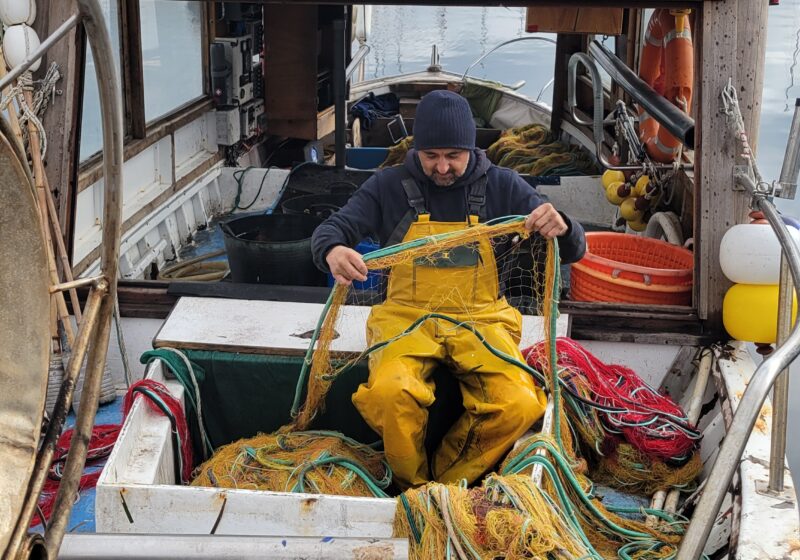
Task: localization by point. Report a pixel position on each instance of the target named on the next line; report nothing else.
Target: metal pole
(780, 392)
(339, 87)
(357, 61)
(763, 379)
(64, 286)
(111, 111)
(17, 71)
(791, 160)
(60, 411)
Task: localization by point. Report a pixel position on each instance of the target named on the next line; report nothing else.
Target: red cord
(650, 421)
(104, 436)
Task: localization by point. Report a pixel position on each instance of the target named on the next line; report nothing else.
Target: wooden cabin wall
(62, 118)
(732, 41)
(298, 67)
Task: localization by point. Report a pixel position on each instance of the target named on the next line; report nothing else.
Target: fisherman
(445, 184)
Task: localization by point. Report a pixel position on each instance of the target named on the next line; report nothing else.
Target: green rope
(301, 380)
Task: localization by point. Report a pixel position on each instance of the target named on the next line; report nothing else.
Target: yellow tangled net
(316, 461)
(533, 150)
(540, 504)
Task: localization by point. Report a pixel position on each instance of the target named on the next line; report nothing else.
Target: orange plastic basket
(619, 267)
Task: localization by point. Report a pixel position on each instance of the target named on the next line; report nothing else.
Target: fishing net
(534, 150)
(524, 275)
(542, 503)
(530, 150)
(315, 461)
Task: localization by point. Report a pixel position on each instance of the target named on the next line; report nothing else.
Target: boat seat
(280, 328)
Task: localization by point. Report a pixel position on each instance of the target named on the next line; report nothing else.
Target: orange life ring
(667, 65)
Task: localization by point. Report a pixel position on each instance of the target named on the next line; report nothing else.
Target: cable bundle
(650, 421)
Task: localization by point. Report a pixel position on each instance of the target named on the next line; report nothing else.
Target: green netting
(246, 394)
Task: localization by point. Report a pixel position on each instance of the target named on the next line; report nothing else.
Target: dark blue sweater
(378, 206)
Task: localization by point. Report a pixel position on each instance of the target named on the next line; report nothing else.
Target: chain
(730, 107)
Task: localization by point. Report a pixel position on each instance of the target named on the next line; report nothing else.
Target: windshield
(401, 38)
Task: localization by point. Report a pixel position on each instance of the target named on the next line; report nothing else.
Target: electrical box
(232, 70)
(229, 126)
(253, 120)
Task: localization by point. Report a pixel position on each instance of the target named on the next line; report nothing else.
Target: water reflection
(409, 35)
(780, 90)
(405, 37)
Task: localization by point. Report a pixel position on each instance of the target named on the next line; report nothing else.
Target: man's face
(444, 165)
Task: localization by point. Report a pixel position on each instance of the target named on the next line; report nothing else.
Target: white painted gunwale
(136, 493)
(769, 527)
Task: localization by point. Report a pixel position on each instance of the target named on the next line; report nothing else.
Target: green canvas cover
(245, 394)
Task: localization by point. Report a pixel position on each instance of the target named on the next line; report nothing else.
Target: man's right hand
(346, 265)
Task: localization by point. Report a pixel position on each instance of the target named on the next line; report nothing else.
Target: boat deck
(82, 519)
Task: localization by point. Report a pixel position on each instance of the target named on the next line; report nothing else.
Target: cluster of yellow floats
(633, 196)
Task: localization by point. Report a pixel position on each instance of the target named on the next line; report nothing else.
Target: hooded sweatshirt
(380, 204)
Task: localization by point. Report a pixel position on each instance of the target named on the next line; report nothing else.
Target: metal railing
(773, 371)
(599, 121)
(93, 335)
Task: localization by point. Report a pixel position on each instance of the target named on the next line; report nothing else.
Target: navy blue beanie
(444, 120)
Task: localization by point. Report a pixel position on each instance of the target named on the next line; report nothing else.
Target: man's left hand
(546, 221)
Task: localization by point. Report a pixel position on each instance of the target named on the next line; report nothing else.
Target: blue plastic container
(365, 158)
(373, 278)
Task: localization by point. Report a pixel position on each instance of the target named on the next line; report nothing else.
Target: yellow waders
(500, 399)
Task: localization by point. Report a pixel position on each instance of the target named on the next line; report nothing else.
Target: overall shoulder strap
(476, 199)
(416, 203)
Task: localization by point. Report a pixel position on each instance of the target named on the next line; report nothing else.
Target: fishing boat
(148, 211)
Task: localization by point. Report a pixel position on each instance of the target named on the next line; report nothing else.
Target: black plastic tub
(272, 249)
(319, 205)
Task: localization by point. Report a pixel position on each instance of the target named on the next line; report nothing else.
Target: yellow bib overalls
(500, 399)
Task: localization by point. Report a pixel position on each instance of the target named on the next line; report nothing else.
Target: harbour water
(401, 38)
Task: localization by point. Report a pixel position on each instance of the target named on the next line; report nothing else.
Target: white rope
(40, 97)
(203, 435)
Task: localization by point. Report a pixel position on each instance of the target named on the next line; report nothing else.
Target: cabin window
(91, 124)
(172, 54)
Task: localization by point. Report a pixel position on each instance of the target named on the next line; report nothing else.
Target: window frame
(139, 135)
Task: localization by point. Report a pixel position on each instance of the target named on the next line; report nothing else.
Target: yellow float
(750, 312)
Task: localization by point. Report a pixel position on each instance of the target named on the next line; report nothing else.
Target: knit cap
(444, 120)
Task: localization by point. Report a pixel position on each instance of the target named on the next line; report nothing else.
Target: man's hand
(346, 265)
(546, 220)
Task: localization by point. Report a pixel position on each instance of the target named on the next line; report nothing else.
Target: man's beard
(444, 180)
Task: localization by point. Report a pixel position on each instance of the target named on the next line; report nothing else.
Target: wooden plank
(83, 546)
(132, 73)
(751, 56)
(290, 70)
(277, 327)
(167, 509)
(718, 206)
(207, 30)
(326, 122)
(61, 120)
(639, 336)
(91, 170)
(510, 3)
